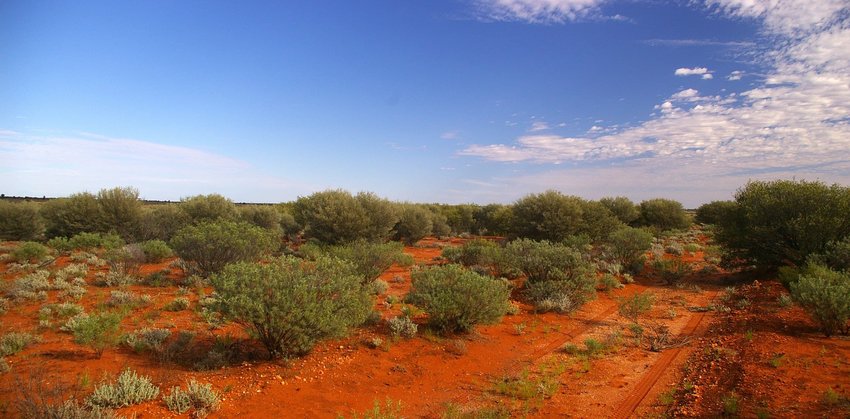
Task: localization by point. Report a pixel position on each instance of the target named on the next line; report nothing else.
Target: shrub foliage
(289, 304)
(20, 221)
(213, 244)
(457, 299)
(825, 294)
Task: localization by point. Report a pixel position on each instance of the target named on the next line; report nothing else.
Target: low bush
(199, 396)
(128, 389)
(20, 221)
(402, 326)
(289, 304)
(156, 250)
(370, 259)
(636, 305)
(91, 241)
(212, 245)
(628, 246)
(457, 299)
(545, 261)
(30, 251)
(97, 331)
(562, 296)
(14, 342)
(147, 340)
(825, 294)
(671, 271)
(177, 304)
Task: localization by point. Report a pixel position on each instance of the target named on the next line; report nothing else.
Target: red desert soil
(428, 373)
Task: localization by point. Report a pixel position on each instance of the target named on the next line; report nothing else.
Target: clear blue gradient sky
(431, 101)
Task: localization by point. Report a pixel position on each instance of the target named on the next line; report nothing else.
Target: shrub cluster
(414, 224)
(97, 331)
(457, 299)
(336, 216)
(663, 214)
(369, 259)
(20, 221)
(289, 304)
(627, 247)
(211, 245)
(784, 222)
(30, 251)
(199, 396)
(156, 250)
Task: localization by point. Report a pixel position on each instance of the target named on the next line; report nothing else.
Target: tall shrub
(20, 221)
(210, 207)
(213, 244)
(121, 211)
(663, 214)
(784, 221)
(161, 221)
(332, 216)
(550, 215)
(78, 213)
(623, 208)
(414, 224)
(289, 304)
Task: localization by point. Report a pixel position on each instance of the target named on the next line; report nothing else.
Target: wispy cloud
(450, 135)
(696, 43)
(538, 126)
(794, 123)
(539, 11)
(735, 75)
(58, 165)
(696, 71)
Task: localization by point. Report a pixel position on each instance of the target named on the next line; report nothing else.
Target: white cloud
(537, 11)
(794, 123)
(696, 71)
(735, 75)
(707, 76)
(61, 164)
(538, 126)
(697, 43)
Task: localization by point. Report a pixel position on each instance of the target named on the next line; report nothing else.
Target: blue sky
(430, 101)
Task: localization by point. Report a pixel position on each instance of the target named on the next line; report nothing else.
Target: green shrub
(825, 294)
(784, 222)
(671, 271)
(628, 246)
(545, 261)
(562, 296)
(623, 208)
(369, 259)
(457, 299)
(161, 222)
(120, 211)
(632, 307)
(714, 211)
(129, 389)
(402, 326)
(439, 225)
(547, 216)
(289, 304)
(837, 254)
(14, 342)
(335, 216)
(30, 251)
(663, 214)
(493, 219)
(598, 222)
(212, 245)
(199, 396)
(72, 215)
(177, 304)
(91, 241)
(20, 221)
(209, 208)
(473, 252)
(414, 224)
(263, 216)
(97, 331)
(156, 250)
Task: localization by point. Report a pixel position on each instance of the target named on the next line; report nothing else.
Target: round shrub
(120, 210)
(203, 208)
(213, 244)
(784, 222)
(156, 250)
(98, 331)
(20, 221)
(550, 215)
(289, 304)
(623, 208)
(545, 261)
(28, 251)
(75, 214)
(627, 247)
(825, 294)
(370, 260)
(714, 211)
(91, 241)
(663, 214)
(335, 216)
(265, 216)
(161, 222)
(415, 223)
(457, 299)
